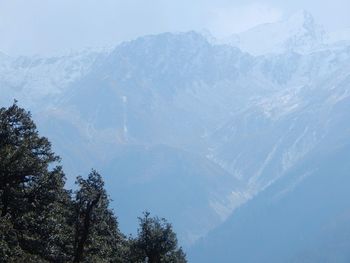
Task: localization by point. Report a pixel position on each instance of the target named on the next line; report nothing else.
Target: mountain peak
(298, 33)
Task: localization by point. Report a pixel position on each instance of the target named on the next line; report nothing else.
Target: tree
(156, 242)
(33, 202)
(97, 237)
(39, 220)
(49, 231)
(30, 192)
(24, 156)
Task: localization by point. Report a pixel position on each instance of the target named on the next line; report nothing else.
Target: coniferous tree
(39, 221)
(51, 226)
(156, 242)
(97, 237)
(25, 158)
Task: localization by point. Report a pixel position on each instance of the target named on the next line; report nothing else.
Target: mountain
(287, 125)
(300, 147)
(42, 78)
(224, 105)
(125, 105)
(298, 33)
(193, 130)
(165, 180)
(304, 217)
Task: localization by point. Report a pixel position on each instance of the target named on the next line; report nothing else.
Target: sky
(48, 27)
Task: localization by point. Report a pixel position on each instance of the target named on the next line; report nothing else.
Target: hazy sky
(52, 26)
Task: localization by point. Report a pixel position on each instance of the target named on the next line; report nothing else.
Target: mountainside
(287, 125)
(34, 79)
(164, 180)
(195, 131)
(304, 217)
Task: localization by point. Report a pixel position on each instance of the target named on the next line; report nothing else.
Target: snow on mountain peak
(298, 33)
(43, 76)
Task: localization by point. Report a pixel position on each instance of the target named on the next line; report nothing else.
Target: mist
(229, 119)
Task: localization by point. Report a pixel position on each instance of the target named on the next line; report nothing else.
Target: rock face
(201, 133)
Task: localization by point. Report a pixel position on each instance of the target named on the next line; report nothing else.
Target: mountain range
(242, 143)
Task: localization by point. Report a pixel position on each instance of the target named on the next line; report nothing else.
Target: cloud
(225, 21)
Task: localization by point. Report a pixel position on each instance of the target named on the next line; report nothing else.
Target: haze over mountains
(299, 33)
(242, 143)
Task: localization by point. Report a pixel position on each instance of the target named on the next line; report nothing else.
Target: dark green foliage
(156, 242)
(33, 200)
(52, 211)
(97, 238)
(9, 247)
(24, 156)
(40, 221)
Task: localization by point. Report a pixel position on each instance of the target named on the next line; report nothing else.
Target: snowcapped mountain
(299, 33)
(205, 126)
(30, 79)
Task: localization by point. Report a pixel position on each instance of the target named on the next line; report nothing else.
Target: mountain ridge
(250, 119)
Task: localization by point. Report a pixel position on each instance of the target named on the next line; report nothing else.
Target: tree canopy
(156, 242)
(41, 221)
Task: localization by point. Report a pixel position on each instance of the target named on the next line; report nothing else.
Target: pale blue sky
(52, 26)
